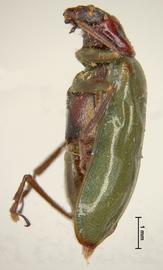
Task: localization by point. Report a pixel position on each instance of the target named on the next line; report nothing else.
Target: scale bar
(138, 232)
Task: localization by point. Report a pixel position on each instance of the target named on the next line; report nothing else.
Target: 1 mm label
(140, 232)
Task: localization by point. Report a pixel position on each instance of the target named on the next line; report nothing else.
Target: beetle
(106, 112)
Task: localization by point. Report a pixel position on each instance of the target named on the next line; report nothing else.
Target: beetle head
(101, 28)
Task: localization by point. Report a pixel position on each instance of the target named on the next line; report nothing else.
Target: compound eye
(90, 15)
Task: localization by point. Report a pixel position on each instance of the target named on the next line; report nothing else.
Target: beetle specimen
(106, 107)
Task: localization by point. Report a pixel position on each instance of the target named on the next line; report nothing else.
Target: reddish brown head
(100, 26)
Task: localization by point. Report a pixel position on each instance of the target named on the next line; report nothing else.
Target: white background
(37, 65)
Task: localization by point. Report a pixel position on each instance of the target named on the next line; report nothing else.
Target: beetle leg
(42, 167)
(31, 183)
(92, 123)
(15, 212)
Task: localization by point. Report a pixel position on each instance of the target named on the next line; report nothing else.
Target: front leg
(84, 142)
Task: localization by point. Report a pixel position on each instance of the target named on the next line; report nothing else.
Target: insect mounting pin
(106, 107)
